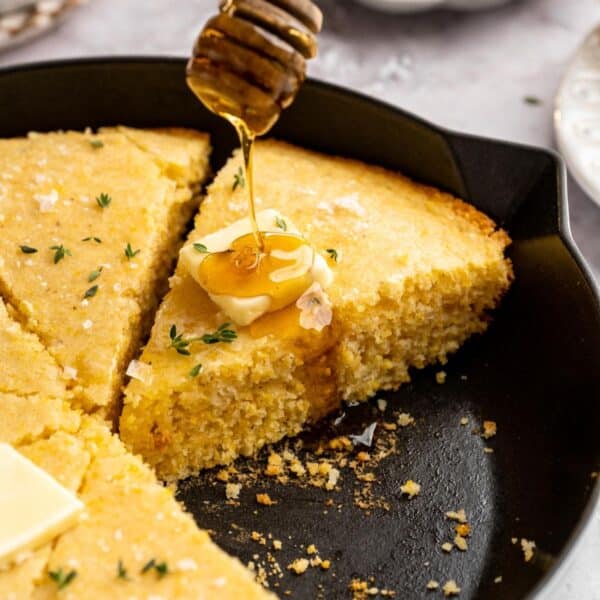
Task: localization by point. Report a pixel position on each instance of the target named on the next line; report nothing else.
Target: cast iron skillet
(535, 372)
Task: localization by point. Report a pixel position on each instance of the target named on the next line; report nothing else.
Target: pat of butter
(244, 311)
(34, 507)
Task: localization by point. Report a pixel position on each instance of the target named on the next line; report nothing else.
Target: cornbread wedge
(33, 396)
(417, 273)
(89, 225)
(130, 520)
(129, 516)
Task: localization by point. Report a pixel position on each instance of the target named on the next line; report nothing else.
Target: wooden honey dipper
(249, 61)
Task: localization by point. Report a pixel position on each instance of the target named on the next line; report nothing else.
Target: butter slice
(244, 311)
(34, 507)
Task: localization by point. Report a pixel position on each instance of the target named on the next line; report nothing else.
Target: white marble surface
(465, 71)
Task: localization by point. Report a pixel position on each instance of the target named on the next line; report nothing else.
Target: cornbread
(129, 516)
(129, 520)
(33, 395)
(417, 273)
(89, 225)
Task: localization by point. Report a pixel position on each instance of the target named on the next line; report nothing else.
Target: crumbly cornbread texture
(418, 272)
(89, 225)
(129, 516)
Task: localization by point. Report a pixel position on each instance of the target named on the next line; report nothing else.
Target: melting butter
(247, 284)
(34, 507)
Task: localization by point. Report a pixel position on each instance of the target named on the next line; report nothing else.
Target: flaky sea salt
(366, 437)
(352, 204)
(70, 372)
(46, 201)
(186, 564)
(139, 370)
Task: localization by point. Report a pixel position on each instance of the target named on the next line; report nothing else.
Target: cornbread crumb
(489, 429)
(381, 404)
(513, 540)
(265, 500)
(299, 566)
(528, 547)
(410, 488)
(332, 479)
(460, 542)
(432, 584)
(464, 421)
(277, 545)
(223, 475)
(447, 547)
(312, 549)
(498, 579)
(440, 377)
(488, 450)
(463, 529)
(232, 491)
(325, 565)
(450, 588)
(460, 515)
(405, 419)
(363, 457)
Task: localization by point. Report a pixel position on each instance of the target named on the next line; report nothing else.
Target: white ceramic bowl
(407, 6)
(577, 116)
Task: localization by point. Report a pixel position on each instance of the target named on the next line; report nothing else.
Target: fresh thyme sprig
(28, 249)
(95, 144)
(333, 254)
(222, 334)
(200, 248)
(195, 370)
(60, 252)
(103, 200)
(181, 345)
(130, 252)
(238, 180)
(281, 223)
(533, 100)
(161, 568)
(178, 342)
(122, 571)
(91, 292)
(61, 578)
(95, 274)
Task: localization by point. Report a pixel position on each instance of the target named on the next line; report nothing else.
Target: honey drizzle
(247, 139)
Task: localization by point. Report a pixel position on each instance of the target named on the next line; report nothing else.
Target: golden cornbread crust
(51, 186)
(129, 516)
(418, 273)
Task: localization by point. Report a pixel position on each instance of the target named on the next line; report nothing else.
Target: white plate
(577, 116)
(406, 6)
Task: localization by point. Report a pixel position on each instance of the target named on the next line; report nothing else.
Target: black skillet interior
(535, 372)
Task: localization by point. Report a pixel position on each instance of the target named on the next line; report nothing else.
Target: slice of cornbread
(133, 526)
(129, 515)
(417, 272)
(33, 396)
(133, 540)
(65, 458)
(89, 225)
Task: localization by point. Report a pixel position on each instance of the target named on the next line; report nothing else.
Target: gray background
(465, 71)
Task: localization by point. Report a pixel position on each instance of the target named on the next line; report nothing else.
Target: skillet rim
(563, 229)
